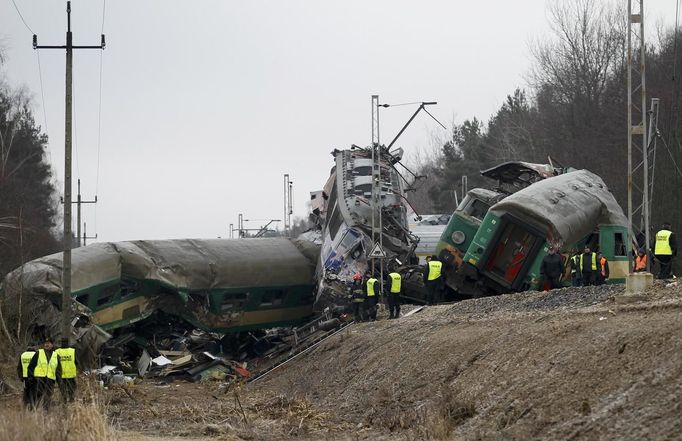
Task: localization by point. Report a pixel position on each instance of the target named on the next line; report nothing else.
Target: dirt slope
(571, 364)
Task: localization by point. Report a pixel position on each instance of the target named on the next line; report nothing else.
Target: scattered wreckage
(198, 309)
(130, 295)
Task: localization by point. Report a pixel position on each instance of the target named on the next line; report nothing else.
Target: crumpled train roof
(186, 264)
(572, 205)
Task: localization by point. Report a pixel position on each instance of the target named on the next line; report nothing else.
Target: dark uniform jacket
(552, 266)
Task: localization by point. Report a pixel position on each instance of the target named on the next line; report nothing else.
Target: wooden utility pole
(66, 272)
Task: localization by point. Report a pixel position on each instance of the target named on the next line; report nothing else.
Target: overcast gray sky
(206, 104)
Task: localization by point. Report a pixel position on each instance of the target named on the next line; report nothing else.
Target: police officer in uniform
(43, 368)
(29, 382)
(665, 248)
(393, 288)
(357, 296)
(432, 279)
(66, 371)
(372, 298)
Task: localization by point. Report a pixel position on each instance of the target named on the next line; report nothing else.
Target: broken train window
(619, 245)
(107, 294)
(233, 301)
(273, 297)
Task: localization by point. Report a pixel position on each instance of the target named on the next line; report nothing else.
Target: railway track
(300, 349)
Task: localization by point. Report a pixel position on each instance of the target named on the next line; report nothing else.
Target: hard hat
(357, 276)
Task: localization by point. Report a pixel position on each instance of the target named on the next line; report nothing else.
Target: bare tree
(588, 46)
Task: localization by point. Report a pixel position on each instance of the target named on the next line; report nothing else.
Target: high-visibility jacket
(594, 261)
(434, 269)
(67, 362)
(395, 283)
(574, 267)
(602, 265)
(370, 287)
(26, 358)
(640, 263)
(44, 367)
(662, 247)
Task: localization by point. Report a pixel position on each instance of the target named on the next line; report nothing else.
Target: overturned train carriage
(567, 211)
(219, 285)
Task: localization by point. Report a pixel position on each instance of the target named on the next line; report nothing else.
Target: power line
(99, 112)
(42, 96)
(679, 172)
(22, 17)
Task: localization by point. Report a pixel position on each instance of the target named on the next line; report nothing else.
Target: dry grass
(81, 421)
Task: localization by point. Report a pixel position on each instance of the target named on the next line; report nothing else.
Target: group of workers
(365, 290)
(41, 369)
(587, 268)
(592, 268)
(365, 293)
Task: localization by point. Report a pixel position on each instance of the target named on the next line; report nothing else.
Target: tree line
(574, 111)
(29, 204)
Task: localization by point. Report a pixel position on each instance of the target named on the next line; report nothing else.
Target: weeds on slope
(84, 420)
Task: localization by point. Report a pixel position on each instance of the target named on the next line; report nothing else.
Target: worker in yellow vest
(433, 279)
(66, 371)
(29, 381)
(372, 297)
(393, 290)
(588, 267)
(665, 249)
(43, 368)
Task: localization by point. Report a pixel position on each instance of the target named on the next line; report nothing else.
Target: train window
(273, 297)
(335, 222)
(128, 288)
(349, 239)
(83, 299)
(363, 171)
(477, 208)
(107, 295)
(619, 245)
(234, 301)
(361, 189)
(103, 299)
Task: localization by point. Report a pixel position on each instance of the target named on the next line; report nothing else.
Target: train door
(509, 257)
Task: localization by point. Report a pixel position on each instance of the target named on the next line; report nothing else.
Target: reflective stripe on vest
(662, 247)
(43, 367)
(370, 287)
(25, 361)
(594, 262)
(434, 269)
(67, 358)
(395, 282)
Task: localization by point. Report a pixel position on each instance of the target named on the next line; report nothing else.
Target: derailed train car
(218, 285)
(344, 213)
(510, 177)
(566, 211)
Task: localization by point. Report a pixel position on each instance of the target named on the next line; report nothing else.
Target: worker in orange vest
(603, 270)
(640, 261)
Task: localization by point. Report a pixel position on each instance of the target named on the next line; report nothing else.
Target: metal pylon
(637, 124)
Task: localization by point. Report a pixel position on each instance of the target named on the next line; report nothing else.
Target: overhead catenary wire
(42, 97)
(99, 113)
